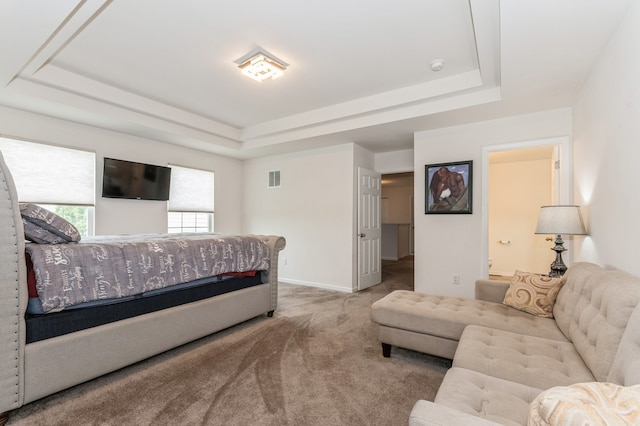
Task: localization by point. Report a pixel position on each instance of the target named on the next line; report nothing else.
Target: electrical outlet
(456, 279)
(284, 261)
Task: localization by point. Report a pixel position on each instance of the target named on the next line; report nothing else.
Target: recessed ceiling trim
(21, 19)
(78, 18)
(87, 110)
(485, 16)
(369, 104)
(83, 86)
(473, 98)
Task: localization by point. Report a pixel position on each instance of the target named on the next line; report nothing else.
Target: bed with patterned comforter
(30, 371)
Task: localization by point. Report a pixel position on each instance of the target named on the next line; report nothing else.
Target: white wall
(398, 203)
(453, 244)
(607, 151)
(394, 161)
(313, 209)
(114, 216)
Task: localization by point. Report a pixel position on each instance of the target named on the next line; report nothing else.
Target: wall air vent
(274, 179)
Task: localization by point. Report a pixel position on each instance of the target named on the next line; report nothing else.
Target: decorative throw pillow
(591, 403)
(533, 293)
(48, 221)
(33, 232)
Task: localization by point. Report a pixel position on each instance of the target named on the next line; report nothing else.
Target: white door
(369, 229)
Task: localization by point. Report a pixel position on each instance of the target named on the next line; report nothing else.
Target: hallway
(398, 274)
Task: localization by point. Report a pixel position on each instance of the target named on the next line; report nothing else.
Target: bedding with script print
(112, 267)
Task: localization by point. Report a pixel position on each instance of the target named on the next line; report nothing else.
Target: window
(82, 217)
(191, 200)
(190, 222)
(59, 179)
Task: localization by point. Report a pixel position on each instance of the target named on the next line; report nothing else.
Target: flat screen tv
(136, 181)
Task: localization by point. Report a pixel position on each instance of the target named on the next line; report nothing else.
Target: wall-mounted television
(136, 181)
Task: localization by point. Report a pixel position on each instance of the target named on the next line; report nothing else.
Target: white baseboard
(317, 285)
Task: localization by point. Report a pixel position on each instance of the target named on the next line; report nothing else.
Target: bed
(36, 363)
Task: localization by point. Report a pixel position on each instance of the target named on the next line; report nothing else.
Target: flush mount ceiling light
(259, 65)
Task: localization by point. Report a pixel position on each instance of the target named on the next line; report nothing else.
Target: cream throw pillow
(586, 404)
(533, 293)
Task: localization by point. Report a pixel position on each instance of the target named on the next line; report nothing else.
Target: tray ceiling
(165, 70)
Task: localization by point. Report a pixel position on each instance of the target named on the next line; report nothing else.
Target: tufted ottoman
(434, 324)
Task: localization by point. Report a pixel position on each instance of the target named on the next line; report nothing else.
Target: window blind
(46, 174)
(192, 190)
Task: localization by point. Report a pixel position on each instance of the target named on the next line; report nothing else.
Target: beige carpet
(316, 362)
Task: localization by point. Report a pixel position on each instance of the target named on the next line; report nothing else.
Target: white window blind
(191, 190)
(46, 174)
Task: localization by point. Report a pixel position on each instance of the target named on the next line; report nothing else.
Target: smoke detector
(437, 64)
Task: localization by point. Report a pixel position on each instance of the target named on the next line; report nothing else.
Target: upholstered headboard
(13, 294)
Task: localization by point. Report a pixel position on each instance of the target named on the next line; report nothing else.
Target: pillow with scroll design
(38, 235)
(50, 222)
(533, 293)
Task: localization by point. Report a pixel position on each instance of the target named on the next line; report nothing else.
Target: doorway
(397, 220)
(520, 178)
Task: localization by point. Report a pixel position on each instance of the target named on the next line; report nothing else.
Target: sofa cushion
(446, 316)
(592, 309)
(532, 361)
(586, 404)
(626, 365)
(488, 397)
(533, 293)
(427, 413)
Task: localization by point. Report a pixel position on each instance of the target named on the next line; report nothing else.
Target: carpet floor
(316, 362)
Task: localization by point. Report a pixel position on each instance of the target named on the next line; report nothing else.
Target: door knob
(362, 235)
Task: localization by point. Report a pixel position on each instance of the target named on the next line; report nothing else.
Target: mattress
(45, 326)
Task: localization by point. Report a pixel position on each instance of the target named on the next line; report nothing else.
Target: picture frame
(448, 188)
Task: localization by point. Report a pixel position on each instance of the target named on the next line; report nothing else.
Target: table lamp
(558, 221)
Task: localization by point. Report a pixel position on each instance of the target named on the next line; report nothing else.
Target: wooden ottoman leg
(386, 350)
(4, 418)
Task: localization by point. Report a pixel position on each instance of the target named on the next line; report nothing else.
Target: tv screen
(137, 181)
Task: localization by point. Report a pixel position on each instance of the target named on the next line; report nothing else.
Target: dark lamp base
(558, 268)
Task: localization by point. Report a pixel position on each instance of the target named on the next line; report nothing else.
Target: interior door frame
(564, 190)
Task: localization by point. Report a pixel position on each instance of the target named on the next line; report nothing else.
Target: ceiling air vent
(274, 179)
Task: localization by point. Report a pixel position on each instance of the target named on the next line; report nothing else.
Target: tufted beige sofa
(504, 358)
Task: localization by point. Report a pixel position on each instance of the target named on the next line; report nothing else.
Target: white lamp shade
(560, 220)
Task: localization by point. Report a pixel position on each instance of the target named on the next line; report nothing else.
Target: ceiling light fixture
(261, 66)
